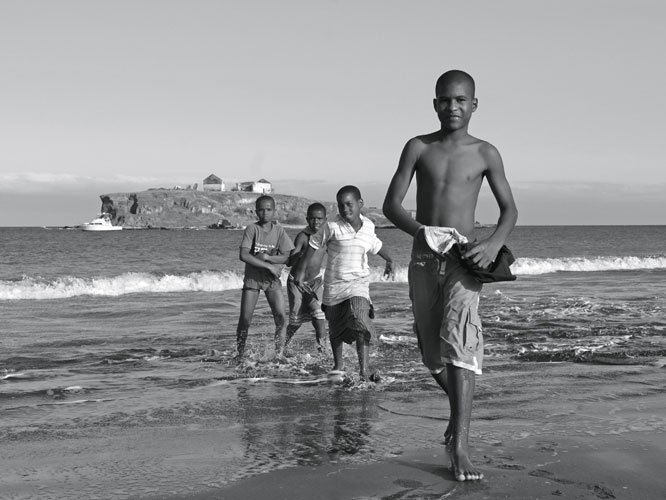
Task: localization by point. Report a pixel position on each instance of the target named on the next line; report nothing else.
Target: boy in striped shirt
(346, 302)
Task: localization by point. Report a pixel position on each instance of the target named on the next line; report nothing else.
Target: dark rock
(168, 208)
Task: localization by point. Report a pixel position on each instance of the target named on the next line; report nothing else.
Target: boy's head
(455, 99)
(316, 216)
(265, 208)
(349, 203)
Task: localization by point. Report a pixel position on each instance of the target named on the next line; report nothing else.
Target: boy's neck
(264, 225)
(356, 224)
(453, 135)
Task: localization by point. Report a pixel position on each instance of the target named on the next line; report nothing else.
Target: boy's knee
(361, 337)
(280, 319)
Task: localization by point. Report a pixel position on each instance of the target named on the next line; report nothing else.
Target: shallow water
(109, 339)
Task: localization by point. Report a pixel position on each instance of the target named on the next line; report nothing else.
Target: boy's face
(349, 207)
(265, 211)
(454, 104)
(315, 219)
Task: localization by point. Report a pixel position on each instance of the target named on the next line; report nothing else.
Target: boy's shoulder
(367, 223)
(304, 234)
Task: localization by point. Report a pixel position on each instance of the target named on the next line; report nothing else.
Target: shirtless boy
(305, 300)
(265, 248)
(347, 240)
(450, 166)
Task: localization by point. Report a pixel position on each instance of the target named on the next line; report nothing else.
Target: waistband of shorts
(315, 280)
(426, 255)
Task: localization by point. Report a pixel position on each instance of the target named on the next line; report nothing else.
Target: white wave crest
(532, 266)
(377, 274)
(217, 281)
(71, 286)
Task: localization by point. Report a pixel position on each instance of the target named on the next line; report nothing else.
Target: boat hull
(101, 228)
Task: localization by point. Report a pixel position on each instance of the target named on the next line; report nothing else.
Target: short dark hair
(316, 206)
(455, 74)
(262, 198)
(348, 189)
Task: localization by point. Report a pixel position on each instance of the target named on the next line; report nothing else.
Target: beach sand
(629, 467)
(539, 430)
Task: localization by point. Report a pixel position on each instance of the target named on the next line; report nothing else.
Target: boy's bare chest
(455, 164)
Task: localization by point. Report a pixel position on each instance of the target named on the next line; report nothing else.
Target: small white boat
(101, 223)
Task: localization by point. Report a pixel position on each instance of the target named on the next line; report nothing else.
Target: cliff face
(167, 208)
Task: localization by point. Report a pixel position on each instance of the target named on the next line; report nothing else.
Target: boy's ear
(360, 202)
(475, 104)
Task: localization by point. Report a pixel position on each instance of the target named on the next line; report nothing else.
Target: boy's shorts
(445, 299)
(305, 306)
(349, 319)
(266, 282)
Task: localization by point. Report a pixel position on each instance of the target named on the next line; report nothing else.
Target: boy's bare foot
(447, 434)
(336, 376)
(462, 468)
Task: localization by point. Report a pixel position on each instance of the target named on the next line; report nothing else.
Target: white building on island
(260, 186)
(213, 183)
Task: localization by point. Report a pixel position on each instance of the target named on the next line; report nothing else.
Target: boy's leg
(275, 299)
(336, 346)
(442, 381)
(320, 332)
(363, 350)
(248, 303)
(461, 383)
(295, 298)
(292, 328)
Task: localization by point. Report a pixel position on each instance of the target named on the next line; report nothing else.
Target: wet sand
(560, 430)
(539, 430)
(622, 467)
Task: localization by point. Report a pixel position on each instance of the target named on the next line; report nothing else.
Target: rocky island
(187, 208)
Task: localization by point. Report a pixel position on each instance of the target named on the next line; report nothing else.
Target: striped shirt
(347, 272)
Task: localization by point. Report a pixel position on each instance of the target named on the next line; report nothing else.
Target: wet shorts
(349, 319)
(445, 298)
(305, 303)
(265, 281)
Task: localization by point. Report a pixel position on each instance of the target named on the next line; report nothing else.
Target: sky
(124, 95)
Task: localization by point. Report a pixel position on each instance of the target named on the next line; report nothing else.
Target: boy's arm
(388, 270)
(276, 259)
(393, 209)
(484, 253)
(283, 251)
(317, 241)
(299, 244)
(303, 264)
(255, 261)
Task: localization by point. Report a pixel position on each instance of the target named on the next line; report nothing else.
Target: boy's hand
(298, 278)
(388, 270)
(483, 254)
(275, 270)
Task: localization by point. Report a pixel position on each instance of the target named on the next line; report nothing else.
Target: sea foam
(531, 266)
(126, 283)
(37, 288)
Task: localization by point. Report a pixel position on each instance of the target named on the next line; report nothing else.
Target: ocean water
(134, 329)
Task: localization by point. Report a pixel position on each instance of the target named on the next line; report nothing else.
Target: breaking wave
(38, 288)
(531, 266)
(72, 286)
